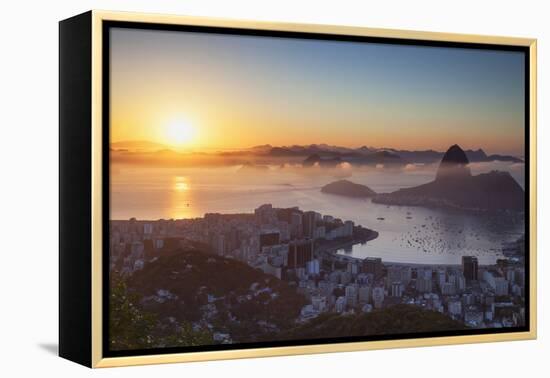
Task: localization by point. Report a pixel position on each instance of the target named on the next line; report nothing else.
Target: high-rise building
(460, 282)
(406, 275)
(284, 231)
(393, 275)
(373, 265)
(455, 308)
(147, 229)
(469, 267)
(313, 267)
(159, 243)
(137, 250)
(351, 296)
(441, 277)
(520, 276)
(352, 268)
(269, 238)
(501, 286)
(296, 228)
(468, 299)
(328, 218)
(397, 273)
(308, 224)
(299, 253)
(378, 297)
(340, 304)
(448, 288)
(348, 228)
(364, 294)
(319, 232)
(345, 278)
(424, 280)
(265, 214)
(219, 244)
(396, 289)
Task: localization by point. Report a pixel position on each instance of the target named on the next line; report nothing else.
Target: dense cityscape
(307, 191)
(300, 248)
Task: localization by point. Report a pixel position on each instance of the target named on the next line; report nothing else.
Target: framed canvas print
(235, 189)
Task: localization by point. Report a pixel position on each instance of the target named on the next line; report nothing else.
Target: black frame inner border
(107, 25)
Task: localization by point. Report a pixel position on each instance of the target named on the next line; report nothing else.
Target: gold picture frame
(86, 33)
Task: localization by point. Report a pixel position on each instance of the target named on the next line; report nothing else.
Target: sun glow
(180, 132)
(181, 184)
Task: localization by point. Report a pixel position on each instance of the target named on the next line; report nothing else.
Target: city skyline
(292, 276)
(228, 226)
(196, 90)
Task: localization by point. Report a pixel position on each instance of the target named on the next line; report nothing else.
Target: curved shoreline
(331, 247)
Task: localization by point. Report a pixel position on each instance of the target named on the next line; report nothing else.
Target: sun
(180, 132)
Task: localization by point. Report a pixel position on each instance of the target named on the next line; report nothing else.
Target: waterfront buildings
(299, 248)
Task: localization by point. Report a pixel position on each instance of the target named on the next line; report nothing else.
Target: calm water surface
(406, 234)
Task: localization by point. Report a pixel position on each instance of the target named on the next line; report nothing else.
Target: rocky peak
(454, 164)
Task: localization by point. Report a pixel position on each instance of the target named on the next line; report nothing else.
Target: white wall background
(28, 200)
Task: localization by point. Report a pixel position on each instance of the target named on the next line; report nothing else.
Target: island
(348, 189)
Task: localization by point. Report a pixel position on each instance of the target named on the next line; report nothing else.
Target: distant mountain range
(326, 152)
(455, 187)
(323, 155)
(328, 155)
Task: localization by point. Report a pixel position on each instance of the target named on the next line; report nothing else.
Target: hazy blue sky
(239, 91)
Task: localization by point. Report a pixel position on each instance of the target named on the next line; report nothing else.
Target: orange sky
(199, 91)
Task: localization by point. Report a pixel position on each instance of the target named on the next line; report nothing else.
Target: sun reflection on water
(181, 198)
(181, 183)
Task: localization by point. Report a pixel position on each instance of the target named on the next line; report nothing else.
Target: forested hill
(398, 319)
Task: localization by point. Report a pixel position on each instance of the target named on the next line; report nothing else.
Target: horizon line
(280, 145)
(177, 148)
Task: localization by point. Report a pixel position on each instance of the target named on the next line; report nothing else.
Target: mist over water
(406, 234)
